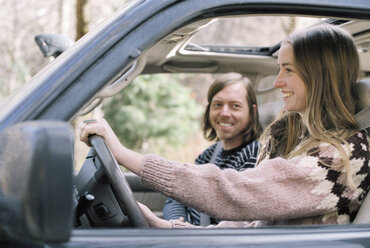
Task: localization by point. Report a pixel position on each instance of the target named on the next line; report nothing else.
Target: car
(44, 204)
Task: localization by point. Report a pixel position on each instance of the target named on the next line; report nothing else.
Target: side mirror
(36, 161)
(52, 45)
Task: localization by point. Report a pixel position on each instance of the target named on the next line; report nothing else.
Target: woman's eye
(288, 69)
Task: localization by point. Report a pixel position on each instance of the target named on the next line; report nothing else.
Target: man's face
(229, 114)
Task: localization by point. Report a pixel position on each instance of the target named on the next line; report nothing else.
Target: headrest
(363, 93)
(363, 103)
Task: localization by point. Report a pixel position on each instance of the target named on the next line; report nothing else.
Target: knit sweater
(300, 190)
(238, 158)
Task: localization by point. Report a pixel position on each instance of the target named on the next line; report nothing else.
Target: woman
(314, 165)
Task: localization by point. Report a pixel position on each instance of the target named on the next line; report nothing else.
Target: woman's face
(288, 81)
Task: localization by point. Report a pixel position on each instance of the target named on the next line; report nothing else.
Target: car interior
(106, 197)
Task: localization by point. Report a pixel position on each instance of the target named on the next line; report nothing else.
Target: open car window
(193, 56)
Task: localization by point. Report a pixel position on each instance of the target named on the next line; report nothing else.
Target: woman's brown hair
(326, 59)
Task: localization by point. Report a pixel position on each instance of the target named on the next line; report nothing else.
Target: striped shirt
(239, 158)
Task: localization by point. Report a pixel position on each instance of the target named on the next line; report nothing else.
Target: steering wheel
(120, 186)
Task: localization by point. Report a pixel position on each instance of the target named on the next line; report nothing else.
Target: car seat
(363, 92)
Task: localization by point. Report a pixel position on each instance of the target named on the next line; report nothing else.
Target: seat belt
(363, 118)
(363, 215)
(205, 220)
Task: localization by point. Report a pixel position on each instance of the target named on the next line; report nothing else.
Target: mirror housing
(36, 162)
(52, 45)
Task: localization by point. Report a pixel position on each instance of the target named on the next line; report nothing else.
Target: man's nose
(225, 110)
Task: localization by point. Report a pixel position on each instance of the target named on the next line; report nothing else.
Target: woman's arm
(278, 189)
(271, 190)
(128, 158)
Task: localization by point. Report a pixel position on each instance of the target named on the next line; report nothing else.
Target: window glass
(249, 31)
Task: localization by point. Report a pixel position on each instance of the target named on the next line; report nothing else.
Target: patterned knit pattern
(338, 196)
(307, 189)
(331, 170)
(239, 158)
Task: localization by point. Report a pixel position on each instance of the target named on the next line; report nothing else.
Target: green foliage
(153, 110)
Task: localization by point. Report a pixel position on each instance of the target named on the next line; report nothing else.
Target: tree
(81, 22)
(153, 110)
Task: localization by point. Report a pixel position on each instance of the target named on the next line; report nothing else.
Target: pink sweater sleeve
(277, 190)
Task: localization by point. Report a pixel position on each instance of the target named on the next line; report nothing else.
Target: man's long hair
(254, 128)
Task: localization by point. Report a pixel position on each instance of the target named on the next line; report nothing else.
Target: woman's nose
(278, 82)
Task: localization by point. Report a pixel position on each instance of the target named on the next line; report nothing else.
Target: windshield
(275, 29)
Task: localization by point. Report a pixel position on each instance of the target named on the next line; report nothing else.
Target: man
(231, 118)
